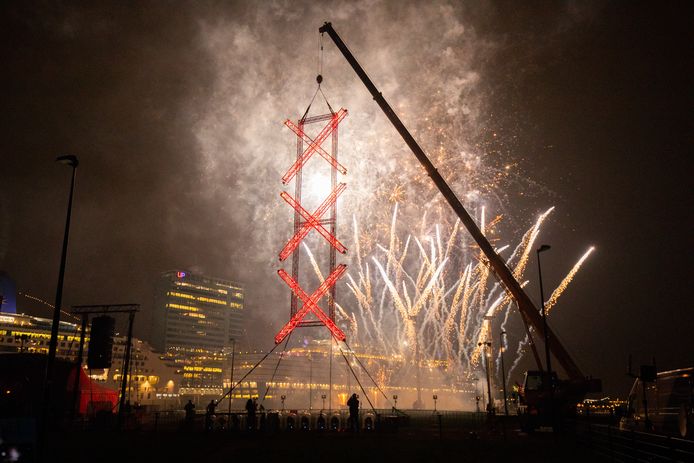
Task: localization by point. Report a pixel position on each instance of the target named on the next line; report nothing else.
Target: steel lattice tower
(305, 222)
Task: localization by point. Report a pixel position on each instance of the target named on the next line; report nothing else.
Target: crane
(528, 311)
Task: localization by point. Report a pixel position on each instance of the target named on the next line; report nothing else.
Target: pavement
(403, 445)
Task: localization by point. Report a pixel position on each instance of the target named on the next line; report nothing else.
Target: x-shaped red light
(314, 145)
(312, 221)
(310, 304)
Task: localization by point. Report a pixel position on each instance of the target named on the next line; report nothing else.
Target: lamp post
(231, 375)
(72, 161)
(548, 361)
(503, 370)
(477, 393)
(543, 248)
(418, 403)
(435, 397)
(486, 345)
(310, 381)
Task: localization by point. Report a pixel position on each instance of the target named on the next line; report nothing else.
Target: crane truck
(543, 393)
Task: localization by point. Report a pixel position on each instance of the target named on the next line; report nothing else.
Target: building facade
(151, 381)
(196, 321)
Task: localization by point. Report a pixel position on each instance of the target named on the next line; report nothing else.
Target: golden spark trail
(314, 264)
(465, 304)
(567, 279)
(357, 243)
(529, 240)
(393, 291)
(451, 238)
(427, 290)
(391, 244)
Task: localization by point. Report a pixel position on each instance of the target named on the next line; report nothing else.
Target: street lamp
(543, 248)
(486, 345)
(503, 370)
(283, 397)
(477, 393)
(231, 375)
(310, 381)
(418, 403)
(548, 361)
(72, 161)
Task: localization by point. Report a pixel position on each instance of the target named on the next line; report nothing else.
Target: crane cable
(246, 375)
(319, 77)
(356, 378)
(365, 370)
(367, 373)
(272, 379)
(319, 80)
(320, 56)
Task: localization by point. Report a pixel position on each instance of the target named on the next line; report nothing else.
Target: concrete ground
(403, 445)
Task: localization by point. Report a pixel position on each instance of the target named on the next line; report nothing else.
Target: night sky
(175, 109)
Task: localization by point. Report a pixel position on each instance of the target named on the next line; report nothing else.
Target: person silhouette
(190, 413)
(353, 404)
(209, 415)
(250, 410)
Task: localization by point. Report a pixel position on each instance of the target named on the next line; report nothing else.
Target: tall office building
(196, 320)
(196, 312)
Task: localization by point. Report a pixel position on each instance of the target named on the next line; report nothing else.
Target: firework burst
(417, 299)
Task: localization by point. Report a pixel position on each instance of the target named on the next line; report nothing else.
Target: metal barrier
(336, 422)
(368, 421)
(304, 420)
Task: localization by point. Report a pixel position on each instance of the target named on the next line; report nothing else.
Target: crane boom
(502, 272)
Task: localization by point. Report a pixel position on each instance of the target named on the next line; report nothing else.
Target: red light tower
(304, 222)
